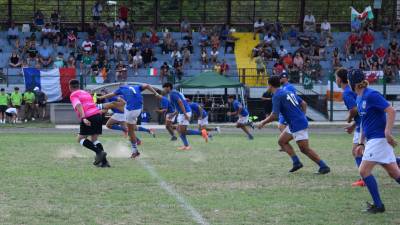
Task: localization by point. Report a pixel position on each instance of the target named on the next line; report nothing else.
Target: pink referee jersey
(85, 99)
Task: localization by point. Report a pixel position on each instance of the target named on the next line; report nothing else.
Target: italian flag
(153, 72)
(367, 13)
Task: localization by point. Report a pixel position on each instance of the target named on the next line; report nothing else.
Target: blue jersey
(371, 106)
(174, 97)
(237, 105)
(288, 104)
(350, 100)
(132, 95)
(195, 109)
(114, 99)
(166, 105)
(286, 87)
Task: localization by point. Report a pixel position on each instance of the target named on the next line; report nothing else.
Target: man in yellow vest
(4, 99)
(16, 100)
(29, 98)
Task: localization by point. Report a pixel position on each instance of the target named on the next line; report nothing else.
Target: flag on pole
(153, 72)
(367, 13)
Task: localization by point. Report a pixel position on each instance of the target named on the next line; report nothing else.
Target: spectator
(282, 51)
(224, 68)
(95, 68)
(336, 59)
(32, 59)
(386, 26)
(215, 41)
(326, 34)
(176, 55)
(71, 62)
(71, 39)
(96, 11)
(269, 40)
(393, 46)
(3, 77)
(278, 29)
(164, 71)
(4, 99)
(351, 44)
(278, 68)
(388, 75)
(121, 72)
(230, 43)
(40, 103)
(292, 35)
(29, 99)
(137, 61)
(224, 32)
(56, 36)
(203, 39)
(369, 57)
(298, 62)
(55, 18)
(214, 55)
(15, 60)
(260, 67)
(288, 62)
(186, 56)
(204, 58)
(87, 46)
(86, 64)
(258, 28)
(120, 24)
(123, 13)
(381, 55)
(185, 26)
(12, 114)
(368, 39)
(38, 20)
(147, 56)
(59, 60)
(45, 56)
(217, 67)
(104, 68)
(13, 34)
(309, 22)
(118, 48)
(46, 33)
(178, 66)
(267, 100)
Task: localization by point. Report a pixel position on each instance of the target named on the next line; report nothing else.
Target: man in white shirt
(258, 27)
(47, 32)
(326, 34)
(87, 45)
(119, 22)
(137, 61)
(11, 114)
(282, 51)
(118, 47)
(269, 39)
(309, 22)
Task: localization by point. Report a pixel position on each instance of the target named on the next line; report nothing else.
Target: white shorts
(182, 120)
(243, 120)
(120, 117)
(356, 137)
(299, 135)
(170, 117)
(132, 115)
(203, 122)
(379, 150)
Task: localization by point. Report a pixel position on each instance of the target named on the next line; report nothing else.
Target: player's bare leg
(170, 128)
(244, 128)
(117, 125)
(310, 153)
(360, 182)
(182, 129)
(133, 140)
(283, 142)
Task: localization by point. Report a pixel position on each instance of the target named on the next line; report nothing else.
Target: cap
(356, 76)
(284, 74)
(36, 89)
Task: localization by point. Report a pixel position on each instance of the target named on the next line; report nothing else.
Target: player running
(349, 99)
(377, 141)
(134, 104)
(202, 120)
(91, 122)
(292, 109)
(286, 86)
(242, 113)
(168, 110)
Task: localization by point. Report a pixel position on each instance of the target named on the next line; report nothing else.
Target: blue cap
(356, 76)
(284, 74)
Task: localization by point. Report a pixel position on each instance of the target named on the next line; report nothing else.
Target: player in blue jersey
(167, 109)
(202, 119)
(243, 114)
(349, 99)
(133, 107)
(376, 141)
(183, 111)
(292, 108)
(285, 85)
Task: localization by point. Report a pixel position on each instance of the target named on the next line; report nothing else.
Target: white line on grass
(196, 216)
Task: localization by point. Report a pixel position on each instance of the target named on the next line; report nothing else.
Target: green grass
(48, 179)
(30, 124)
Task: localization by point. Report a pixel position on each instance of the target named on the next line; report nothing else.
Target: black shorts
(96, 126)
(9, 114)
(3, 108)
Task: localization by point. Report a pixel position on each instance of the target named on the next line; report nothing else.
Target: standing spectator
(214, 55)
(368, 39)
(260, 67)
(164, 71)
(16, 100)
(185, 26)
(15, 60)
(29, 99)
(267, 99)
(46, 34)
(204, 58)
(55, 18)
(292, 35)
(178, 66)
(59, 60)
(224, 67)
(121, 72)
(381, 55)
(137, 61)
(87, 46)
(13, 34)
(38, 20)
(96, 11)
(45, 56)
(186, 56)
(123, 13)
(86, 64)
(258, 27)
(71, 39)
(351, 44)
(4, 99)
(309, 22)
(326, 34)
(40, 103)
(230, 43)
(147, 56)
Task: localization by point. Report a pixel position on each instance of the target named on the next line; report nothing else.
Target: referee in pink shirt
(91, 122)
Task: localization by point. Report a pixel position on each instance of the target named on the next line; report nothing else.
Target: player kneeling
(292, 109)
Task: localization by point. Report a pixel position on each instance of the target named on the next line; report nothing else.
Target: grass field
(48, 179)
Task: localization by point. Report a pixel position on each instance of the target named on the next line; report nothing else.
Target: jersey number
(133, 90)
(292, 98)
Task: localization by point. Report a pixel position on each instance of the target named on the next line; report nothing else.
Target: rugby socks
(98, 145)
(193, 132)
(142, 129)
(118, 127)
(88, 144)
(372, 186)
(134, 147)
(358, 160)
(295, 160)
(184, 139)
(322, 164)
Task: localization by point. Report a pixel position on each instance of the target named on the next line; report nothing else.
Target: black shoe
(99, 158)
(371, 208)
(173, 138)
(105, 163)
(296, 167)
(324, 170)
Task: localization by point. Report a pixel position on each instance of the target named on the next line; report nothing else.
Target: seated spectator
(217, 67)
(309, 22)
(118, 48)
(15, 60)
(278, 68)
(86, 64)
(137, 61)
(396, 27)
(164, 71)
(87, 46)
(282, 51)
(386, 26)
(119, 23)
(91, 32)
(381, 55)
(204, 58)
(56, 36)
(55, 18)
(95, 68)
(215, 41)
(13, 34)
(315, 70)
(288, 61)
(154, 39)
(393, 46)
(224, 32)
(269, 40)
(32, 60)
(203, 39)
(388, 75)
(230, 43)
(258, 28)
(351, 44)
(186, 56)
(45, 56)
(121, 72)
(326, 34)
(148, 57)
(71, 39)
(168, 44)
(214, 55)
(189, 45)
(292, 35)
(336, 59)
(362, 65)
(298, 62)
(178, 66)
(71, 62)
(368, 39)
(46, 34)
(59, 60)
(224, 68)
(176, 55)
(278, 29)
(369, 57)
(104, 68)
(38, 20)
(393, 62)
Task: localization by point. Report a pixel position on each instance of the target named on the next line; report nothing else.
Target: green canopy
(210, 80)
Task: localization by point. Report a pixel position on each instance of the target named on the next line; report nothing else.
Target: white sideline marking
(196, 216)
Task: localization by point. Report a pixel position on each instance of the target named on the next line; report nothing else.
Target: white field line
(196, 216)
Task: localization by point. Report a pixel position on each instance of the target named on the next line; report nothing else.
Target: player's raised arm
(151, 89)
(109, 95)
(272, 117)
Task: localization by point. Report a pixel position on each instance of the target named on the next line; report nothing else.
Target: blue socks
(322, 164)
(134, 147)
(118, 127)
(358, 160)
(193, 132)
(295, 160)
(184, 139)
(142, 129)
(372, 186)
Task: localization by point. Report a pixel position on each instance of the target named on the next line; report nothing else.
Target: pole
(302, 14)
(331, 98)
(384, 86)
(9, 11)
(83, 4)
(156, 9)
(229, 12)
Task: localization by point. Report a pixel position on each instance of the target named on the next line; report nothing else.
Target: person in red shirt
(123, 13)
(381, 54)
(351, 44)
(368, 39)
